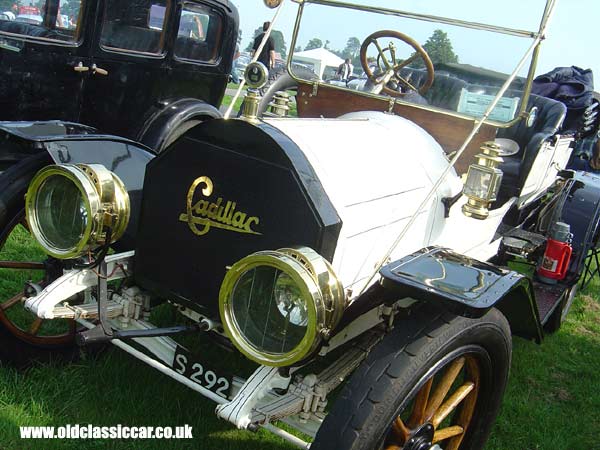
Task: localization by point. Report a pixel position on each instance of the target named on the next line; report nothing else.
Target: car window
(199, 33)
(134, 26)
(44, 19)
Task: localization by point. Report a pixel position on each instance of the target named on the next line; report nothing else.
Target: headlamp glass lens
(61, 211)
(269, 310)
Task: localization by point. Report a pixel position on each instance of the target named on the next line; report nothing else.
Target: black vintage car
(142, 69)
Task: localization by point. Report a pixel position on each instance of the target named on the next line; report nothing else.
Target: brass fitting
(280, 104)
(251, 102)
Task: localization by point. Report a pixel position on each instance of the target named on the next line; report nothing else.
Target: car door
(43, 55)
(128, 65)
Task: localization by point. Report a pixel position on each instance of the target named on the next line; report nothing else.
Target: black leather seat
(549, 118)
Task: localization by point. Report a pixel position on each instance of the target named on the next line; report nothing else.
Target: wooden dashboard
(448, 130)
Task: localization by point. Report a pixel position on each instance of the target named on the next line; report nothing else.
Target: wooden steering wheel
(391, 67)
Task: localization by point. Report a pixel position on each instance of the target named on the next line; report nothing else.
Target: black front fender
(160, 127)
(466, 286)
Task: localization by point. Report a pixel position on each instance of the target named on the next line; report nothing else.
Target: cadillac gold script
(204, 214)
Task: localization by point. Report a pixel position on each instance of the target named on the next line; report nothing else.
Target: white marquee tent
(318, 59)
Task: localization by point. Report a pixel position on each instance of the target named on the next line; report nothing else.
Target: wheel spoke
(11, 302)
(382, 54)
(28, 265)
(406, 83)
(418, 413)
(444, 386)
(450, 405)
(400, 430)
(393, 447)
(468, 407)
(406, 62)
(35, 326)
(446, 433)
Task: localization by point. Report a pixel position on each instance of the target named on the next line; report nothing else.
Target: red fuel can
(556, 260)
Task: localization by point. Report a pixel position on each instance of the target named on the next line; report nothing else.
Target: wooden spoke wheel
(435, 382)
(441, 410)
(25, 267)
(21, 262)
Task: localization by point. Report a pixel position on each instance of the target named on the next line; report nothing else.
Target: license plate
(188, 365)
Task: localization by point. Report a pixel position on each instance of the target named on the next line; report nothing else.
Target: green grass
(552, 402)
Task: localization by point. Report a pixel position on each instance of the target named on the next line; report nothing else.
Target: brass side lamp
(483, 181)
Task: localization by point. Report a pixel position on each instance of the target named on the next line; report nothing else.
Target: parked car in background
(125, 68)
(240, 64)
(32, 19)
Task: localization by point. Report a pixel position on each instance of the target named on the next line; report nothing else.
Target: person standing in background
(345, 70)
(267, 55)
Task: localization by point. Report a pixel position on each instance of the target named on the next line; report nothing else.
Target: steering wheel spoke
(382, 55)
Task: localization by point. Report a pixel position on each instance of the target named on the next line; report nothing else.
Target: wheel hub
(421, 438)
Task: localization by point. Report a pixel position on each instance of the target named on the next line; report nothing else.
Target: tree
(314, 43)
(250, 46)
(439, 49)
(352, 48)
(71, 9)
(6, 5)
(279, 43)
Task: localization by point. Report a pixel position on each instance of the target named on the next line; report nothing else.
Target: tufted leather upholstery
(550, 116)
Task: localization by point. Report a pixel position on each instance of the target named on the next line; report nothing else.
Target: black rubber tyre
(559, 315)
(398, 368)
(18, 346)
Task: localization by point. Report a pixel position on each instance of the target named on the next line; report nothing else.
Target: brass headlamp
(278, 306)
(483, 181)
(70, 208)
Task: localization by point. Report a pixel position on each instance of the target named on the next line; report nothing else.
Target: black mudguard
(465, 286)
(71, 143)
(157, 130)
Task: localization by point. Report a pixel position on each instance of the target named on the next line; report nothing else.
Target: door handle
(80, 67)
(99, 70)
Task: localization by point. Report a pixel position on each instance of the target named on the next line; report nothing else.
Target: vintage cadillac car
(375, 289)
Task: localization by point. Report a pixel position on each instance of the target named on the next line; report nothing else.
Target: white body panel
(377, 169)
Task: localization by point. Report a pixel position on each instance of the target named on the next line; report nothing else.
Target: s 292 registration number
(185, 364)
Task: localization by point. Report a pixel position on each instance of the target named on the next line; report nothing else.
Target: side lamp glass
(483, 182)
